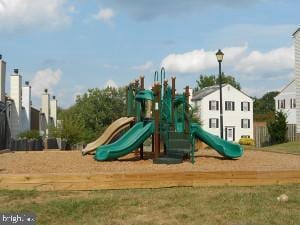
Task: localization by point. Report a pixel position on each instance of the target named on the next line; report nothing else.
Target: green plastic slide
(130, 141)
(225, 148)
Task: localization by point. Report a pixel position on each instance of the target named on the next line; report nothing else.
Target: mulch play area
(69, 170)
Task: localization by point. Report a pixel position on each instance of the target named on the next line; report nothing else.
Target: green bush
(277, 128)
(30, 134)
(246, 141)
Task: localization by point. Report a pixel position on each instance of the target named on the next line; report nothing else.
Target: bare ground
(206, 160)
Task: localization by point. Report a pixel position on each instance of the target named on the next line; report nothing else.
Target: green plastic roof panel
(144, 95)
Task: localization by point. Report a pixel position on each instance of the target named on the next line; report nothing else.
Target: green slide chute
(225, 148)
(130, 141)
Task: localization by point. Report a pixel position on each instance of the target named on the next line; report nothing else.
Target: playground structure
(165, 116)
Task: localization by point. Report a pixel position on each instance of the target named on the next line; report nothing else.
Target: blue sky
(69, 46)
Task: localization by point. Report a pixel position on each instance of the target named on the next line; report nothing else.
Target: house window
(213, 105)
(245, 136)
(213, 123)
(245, 106)
(245, 123)
(282, 104)
(229, 106)
(278, 104)
(294, 103)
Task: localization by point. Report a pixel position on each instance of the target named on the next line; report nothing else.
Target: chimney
(53, 110)
(26, 103)
(16, 96)
(46, 105)
(2, 79)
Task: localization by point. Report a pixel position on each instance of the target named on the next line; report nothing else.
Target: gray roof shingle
(205, 91)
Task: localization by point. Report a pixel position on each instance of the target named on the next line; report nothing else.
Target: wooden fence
(262, 137)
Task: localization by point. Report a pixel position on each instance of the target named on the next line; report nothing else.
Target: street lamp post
(220, 56)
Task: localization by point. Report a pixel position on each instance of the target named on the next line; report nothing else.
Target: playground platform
(59, 170)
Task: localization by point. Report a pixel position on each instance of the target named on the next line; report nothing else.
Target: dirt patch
(74, 162)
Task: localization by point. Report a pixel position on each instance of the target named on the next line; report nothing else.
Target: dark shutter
(226, 105)
(217, 123)
(233, 106)
(233, 134)
(209, 105)
(248, 123)
(226, 133)
(242, 123)
(242, 106)
(209, 123)
(248, 106)
(217, 105)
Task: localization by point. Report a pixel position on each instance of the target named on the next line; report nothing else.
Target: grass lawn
(289, 147)
(207, 205)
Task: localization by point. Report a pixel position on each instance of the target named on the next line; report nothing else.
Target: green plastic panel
(130, 141)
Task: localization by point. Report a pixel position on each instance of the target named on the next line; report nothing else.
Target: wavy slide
(225, 148)
(130, 141)
(111, 132)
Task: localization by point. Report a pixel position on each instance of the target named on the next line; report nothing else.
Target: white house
(285, 101)
(296, 36)
(237, 111)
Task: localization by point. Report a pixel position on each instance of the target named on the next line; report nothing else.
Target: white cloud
(111, 83)
(144, 67)
(45, 79)
(272, 62)
(200, 60)
(105, 15)
(275, 64)
(30, 14)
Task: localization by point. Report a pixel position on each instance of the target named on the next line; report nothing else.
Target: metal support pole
(157, 89)
(142, 151)
(142, 81)
(221, 101)
(173, 98)
(187, 95)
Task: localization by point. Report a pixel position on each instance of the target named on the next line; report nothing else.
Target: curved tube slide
(227, 149)
(130, 141)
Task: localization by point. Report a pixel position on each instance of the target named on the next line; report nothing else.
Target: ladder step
(179, 150)
(167, 160)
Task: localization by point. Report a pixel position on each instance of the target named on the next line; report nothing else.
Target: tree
(210, 80)
(266, 103)
(264, 107)
(91, 114)
(277, 128)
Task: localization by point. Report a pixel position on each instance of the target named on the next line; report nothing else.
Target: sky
(70, 46)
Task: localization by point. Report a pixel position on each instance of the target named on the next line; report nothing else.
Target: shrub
(277, 128)
(30, 134)
(246, 141)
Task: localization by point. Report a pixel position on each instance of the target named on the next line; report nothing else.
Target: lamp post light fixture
(220, 56)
